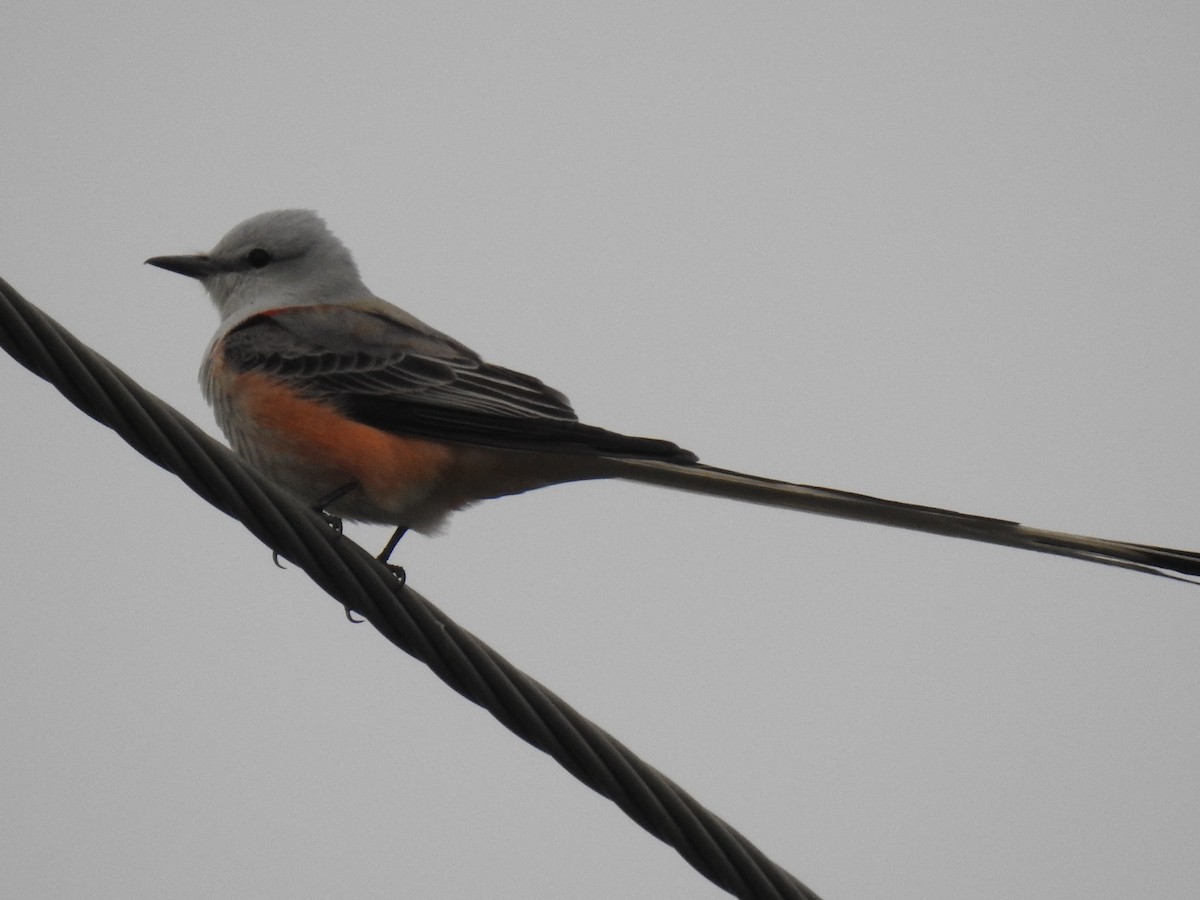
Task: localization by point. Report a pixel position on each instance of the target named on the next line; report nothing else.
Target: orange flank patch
(316, 435)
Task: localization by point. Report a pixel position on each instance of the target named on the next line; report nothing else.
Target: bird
(362, 411)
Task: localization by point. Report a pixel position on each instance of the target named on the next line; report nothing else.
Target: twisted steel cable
(360, 583)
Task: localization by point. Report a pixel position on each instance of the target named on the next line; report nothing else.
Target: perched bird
(363, 411)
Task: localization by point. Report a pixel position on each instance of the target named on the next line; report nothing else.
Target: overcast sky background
(938, 252)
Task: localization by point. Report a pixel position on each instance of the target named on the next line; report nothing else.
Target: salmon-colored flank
(317, 433)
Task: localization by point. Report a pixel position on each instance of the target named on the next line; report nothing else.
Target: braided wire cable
(359, 582)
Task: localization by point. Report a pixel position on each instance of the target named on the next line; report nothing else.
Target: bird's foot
(320, 507)
(334, 522)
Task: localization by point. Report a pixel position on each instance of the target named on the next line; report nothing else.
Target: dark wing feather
(404, 380)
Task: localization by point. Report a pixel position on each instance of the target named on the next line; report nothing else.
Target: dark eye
(258, 257)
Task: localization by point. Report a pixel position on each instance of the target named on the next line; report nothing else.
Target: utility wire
(359, 582)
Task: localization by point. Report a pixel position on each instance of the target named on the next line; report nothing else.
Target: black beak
(199, 266)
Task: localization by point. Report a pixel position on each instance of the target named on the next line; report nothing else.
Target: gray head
(282, 258)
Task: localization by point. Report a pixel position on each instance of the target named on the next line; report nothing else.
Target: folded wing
(405, 379)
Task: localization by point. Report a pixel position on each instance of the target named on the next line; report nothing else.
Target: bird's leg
(386, 554)
(387, 551)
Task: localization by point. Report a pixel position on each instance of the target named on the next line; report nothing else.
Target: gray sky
(939, 252)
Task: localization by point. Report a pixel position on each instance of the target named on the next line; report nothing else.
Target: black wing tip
(684, 456)
(655, 448)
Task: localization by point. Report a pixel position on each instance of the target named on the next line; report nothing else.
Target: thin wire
(359, 582)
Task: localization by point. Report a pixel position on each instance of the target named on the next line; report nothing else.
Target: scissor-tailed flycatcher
(356, 406)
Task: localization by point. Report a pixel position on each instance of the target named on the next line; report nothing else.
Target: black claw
(399, 572)
(332, 521)
(275, 559)
(350, 616)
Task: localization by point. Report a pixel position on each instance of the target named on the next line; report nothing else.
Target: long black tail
(1183, 565)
